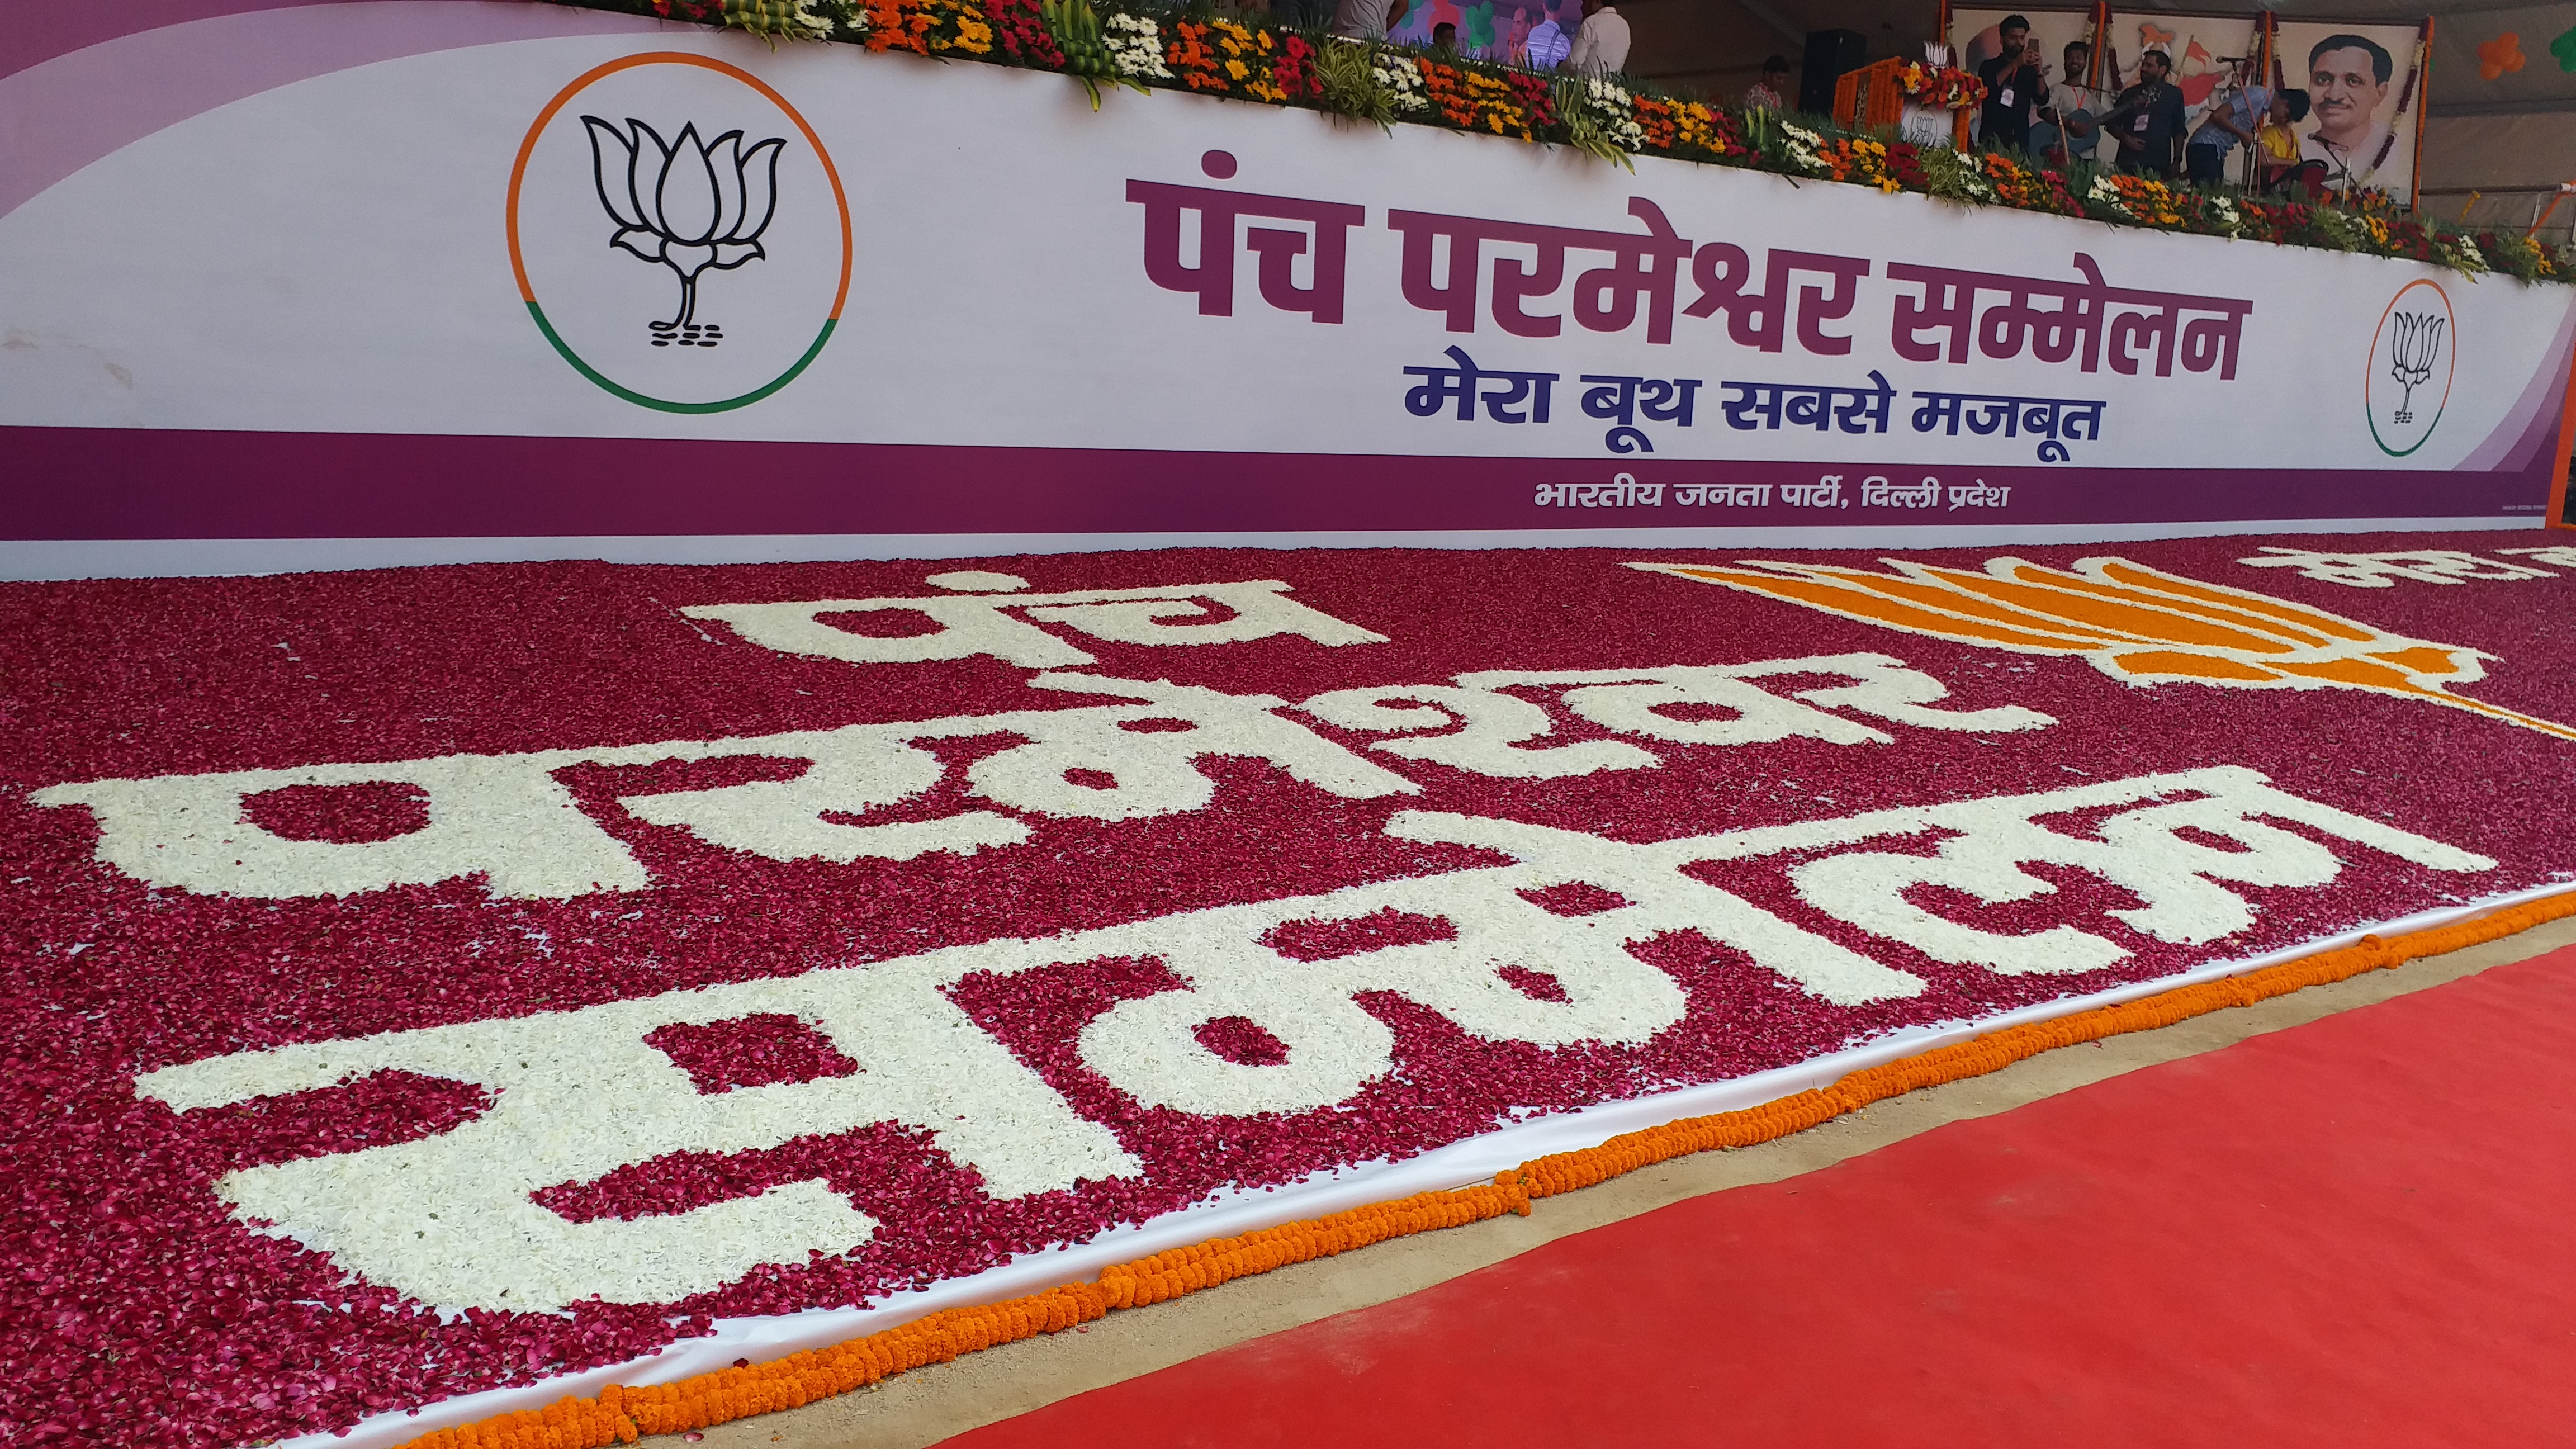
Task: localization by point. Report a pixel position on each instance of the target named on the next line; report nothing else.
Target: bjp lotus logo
(663, 171)
(2410, 367)
(2134, 623)
(691, 205)
(2412, 350)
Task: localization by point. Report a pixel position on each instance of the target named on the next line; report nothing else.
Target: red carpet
(2354, 1232)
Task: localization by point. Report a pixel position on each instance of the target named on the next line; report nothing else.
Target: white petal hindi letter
(1492, 730)
(848, 772)
(969, 625)
(451, 1218)
(1261, 609)
(500, 816)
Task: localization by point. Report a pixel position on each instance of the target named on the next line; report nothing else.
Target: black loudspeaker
(1830, 53)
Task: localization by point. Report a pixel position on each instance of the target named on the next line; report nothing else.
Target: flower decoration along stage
(436, 983)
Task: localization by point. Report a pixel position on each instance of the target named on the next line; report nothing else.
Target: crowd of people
(2147, 122)
(2052, 113)
(1599, 45)
(2151, 129)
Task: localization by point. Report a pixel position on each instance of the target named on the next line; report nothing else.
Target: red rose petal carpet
(432, 982)
(2346, 1233)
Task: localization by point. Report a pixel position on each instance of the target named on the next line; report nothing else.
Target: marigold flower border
(622, 1415)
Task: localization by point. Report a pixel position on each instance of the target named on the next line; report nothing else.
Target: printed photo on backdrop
(2361, 82)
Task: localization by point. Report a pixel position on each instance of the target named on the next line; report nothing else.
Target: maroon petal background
(137, 1311)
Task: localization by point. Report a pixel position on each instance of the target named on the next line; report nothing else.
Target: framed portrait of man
(2363, 84)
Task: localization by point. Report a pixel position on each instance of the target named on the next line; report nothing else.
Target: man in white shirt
(1367, 20)
(2065, 130)
(1601, 46)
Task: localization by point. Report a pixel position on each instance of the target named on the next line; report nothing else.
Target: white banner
(690, 235)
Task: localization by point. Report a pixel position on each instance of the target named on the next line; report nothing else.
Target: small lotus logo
(2413, 357)
(2134, 623)
(2415, 344)
(690, 205)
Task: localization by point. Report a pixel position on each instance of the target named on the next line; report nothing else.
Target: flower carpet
(437, 987)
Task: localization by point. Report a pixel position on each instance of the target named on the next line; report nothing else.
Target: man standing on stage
(2147, 121)
(2347, 80)
(2013, 86)
(1771, 92)
(1601, 45)
(2066, 129)
(2233, 116)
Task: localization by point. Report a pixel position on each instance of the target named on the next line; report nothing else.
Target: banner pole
(2566, 449)
(2423, 108)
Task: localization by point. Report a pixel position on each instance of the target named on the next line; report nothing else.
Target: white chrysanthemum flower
(1135, 46)
(1615, 110)
(1401, 79)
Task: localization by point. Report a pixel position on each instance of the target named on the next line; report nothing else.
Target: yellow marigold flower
(1237, 70)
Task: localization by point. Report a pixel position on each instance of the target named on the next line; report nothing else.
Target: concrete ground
(932, 1404)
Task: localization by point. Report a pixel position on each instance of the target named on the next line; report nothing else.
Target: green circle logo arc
(620, 390)
(536, 310)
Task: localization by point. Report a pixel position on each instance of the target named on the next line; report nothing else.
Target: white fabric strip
(33, 559)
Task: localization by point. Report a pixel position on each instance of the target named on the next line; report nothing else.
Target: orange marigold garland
(1192, 59)
(2141, 199)
(621, 1415)
(2028, 187)
(1223, 57)
(928, 27)
(1515, 105)
(1688, 127)
(1447, 86)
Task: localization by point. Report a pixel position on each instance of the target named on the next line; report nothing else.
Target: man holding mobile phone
(2013, 81)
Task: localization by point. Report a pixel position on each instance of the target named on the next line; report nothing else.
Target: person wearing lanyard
(2066, 129)
(2231, 118)
(2147, 120)
(2012, 88)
